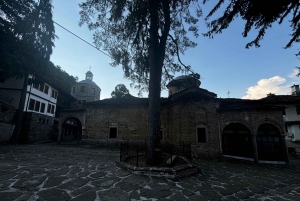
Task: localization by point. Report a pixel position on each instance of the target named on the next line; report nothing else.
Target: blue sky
(223, 62)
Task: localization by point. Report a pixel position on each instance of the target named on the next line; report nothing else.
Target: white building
(40, 99)
(291, 114)
(39, 110)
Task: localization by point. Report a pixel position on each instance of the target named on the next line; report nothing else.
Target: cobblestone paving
(67, 172)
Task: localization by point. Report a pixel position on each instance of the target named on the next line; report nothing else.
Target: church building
(243, 129)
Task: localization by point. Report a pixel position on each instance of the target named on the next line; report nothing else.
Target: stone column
(254, 149)
(59, 136)
(285, 153)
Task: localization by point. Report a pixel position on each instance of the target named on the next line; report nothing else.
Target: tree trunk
(156, 59)
(154, 86)
(19, 114)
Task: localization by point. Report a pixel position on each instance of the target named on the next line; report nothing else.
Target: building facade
(246, 129)
(39, 109)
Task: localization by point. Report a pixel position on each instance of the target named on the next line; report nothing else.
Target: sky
(223, 62)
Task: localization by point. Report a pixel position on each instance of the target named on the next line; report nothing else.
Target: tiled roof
(245, 104)
(282, 99)
(123, 101)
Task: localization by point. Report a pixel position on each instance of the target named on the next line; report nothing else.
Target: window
(49, 108)
(46, 89)
(42, 108)
(286, 128)
(283, 112)
(41, 88)
(298, 109)
(201, 134)
(54, 94)
(52, 109)
(31, 104)
(82, 88)
(37, 106)
(73, 90)
(93, 91)
(113, 130)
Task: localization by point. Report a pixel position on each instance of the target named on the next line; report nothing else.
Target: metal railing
(137, 150)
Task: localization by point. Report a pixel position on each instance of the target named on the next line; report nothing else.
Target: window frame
(31, 102)
(46, 86)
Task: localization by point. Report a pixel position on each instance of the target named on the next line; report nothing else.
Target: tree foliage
(26, 36)
(60, 77)
(122, 28)
(259, 15)
(120, 91)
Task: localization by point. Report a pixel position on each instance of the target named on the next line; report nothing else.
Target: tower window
(73, 90)
(93, 91)
(82, 88)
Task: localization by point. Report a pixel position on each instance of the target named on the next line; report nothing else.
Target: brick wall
(131, 122)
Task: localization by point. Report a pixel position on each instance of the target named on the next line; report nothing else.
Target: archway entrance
(237, 141)
(71, 130)
(269, 143)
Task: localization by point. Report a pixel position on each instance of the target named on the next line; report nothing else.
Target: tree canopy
(60, 77)
(120, 91)
(122, 28)
(26, 36)
(146, 37)
(260, 15)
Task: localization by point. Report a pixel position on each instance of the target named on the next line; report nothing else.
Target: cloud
(264, 86)
(294, 73)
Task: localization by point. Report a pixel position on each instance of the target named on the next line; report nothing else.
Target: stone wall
(131, 122)
(37, 127)
(7, 115)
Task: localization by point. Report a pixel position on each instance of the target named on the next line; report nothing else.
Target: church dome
(88, 82)
(182, 82)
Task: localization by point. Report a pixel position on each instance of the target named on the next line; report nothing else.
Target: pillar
(254, 149)
(285, 153)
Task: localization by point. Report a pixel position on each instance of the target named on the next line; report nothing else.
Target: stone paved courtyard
(84, 173)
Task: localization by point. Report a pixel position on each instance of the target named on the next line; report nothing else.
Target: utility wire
(82, 39)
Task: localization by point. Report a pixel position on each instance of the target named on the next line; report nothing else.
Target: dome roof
(88, 82)
(89, 72)
(183, 77)
(184, 80)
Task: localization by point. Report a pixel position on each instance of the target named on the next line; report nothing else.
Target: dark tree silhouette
(146, 38)
(120, 91)
(259, 15)
(26, 38)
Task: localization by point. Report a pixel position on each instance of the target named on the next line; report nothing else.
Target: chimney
(270, 94)
(295, 90)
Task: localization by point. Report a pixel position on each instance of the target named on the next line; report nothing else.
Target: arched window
(237, 140)
(269, 144)
(267, 129)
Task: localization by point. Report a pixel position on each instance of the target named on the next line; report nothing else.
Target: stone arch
(270, 142)
(269, 121)
(237, 140)
(239, 121)
(72, 130)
